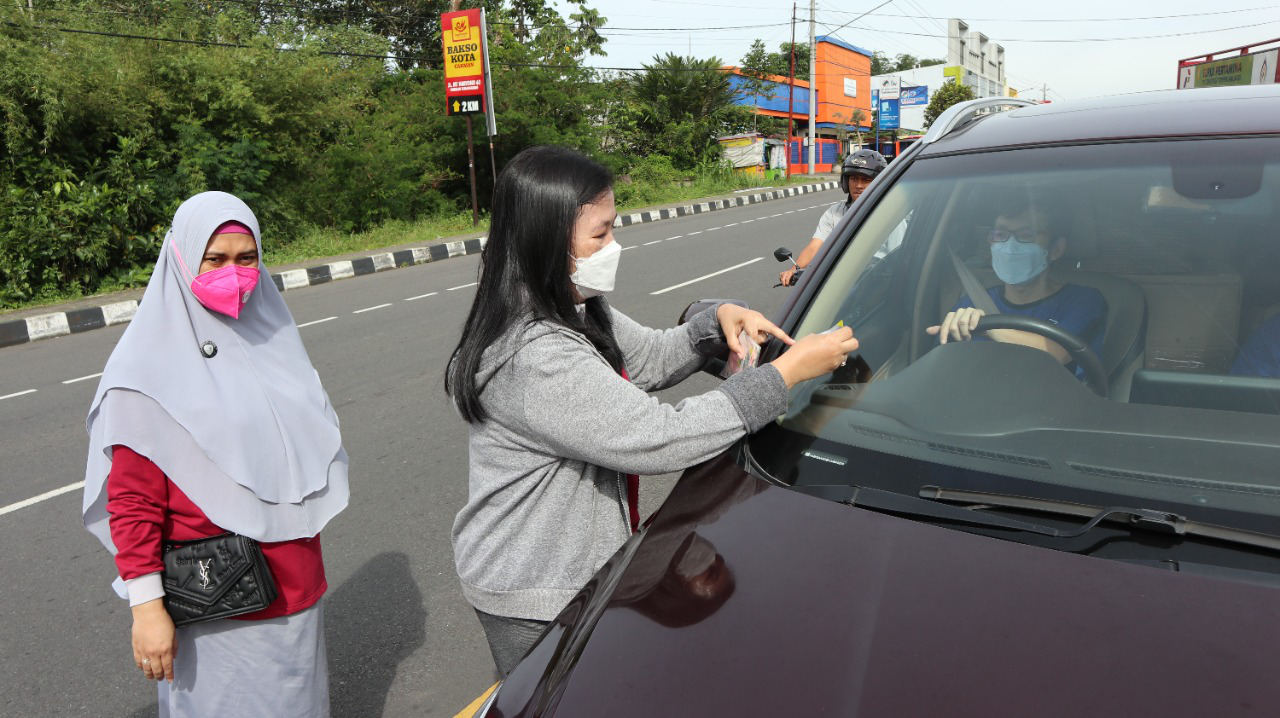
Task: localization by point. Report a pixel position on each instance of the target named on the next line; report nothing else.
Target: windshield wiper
(1144, 519)
(906, 505)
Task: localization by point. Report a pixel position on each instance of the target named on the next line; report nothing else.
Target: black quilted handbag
(215, 577)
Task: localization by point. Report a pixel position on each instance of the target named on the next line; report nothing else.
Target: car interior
(1187, 258)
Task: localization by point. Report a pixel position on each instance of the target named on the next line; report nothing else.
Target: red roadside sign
(464, 62)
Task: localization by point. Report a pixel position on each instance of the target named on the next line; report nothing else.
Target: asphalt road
(401, 640)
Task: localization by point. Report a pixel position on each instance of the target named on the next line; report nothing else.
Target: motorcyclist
(856, 173)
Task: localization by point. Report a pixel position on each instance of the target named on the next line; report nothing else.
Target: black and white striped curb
(57, 324)
(627, 220)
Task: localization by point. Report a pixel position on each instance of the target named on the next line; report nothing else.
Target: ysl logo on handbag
(204, 572)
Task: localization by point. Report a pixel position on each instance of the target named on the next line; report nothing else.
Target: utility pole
(813, 82)
(791, 93)
(1044, 93)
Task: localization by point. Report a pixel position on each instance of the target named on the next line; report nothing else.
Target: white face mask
(595, 274)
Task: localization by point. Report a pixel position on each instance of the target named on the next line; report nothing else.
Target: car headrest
(1075, 204)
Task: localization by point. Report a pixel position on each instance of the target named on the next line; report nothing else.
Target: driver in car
(1024, 241)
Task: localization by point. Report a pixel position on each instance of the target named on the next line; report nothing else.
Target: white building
(972, 58)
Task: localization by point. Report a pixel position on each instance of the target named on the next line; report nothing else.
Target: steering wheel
(1094, 375)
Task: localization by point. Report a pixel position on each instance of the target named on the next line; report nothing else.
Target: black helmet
(867, 163)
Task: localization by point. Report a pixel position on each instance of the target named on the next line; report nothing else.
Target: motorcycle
(782, 254)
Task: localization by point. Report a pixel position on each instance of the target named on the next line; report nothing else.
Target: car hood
(747, 599)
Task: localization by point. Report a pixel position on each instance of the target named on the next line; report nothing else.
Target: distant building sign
(889, 86)
(1259, 68)
(914, 96)
(850, 87)
(888, 116)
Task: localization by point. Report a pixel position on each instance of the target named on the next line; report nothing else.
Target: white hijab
(248, 434)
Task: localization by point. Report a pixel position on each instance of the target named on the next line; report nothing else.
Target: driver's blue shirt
(1260, 355)
(1082, 311)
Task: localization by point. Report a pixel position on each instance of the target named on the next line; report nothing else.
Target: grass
(319, 242)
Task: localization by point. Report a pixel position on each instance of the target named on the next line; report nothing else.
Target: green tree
(880, 63)
(753, 82)
(679, 105)
(780, 61)
(949, 94)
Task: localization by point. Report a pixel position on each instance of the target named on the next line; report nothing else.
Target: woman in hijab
(209, 419)
(553, 384)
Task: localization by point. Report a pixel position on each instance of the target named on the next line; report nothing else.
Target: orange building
(842, 87)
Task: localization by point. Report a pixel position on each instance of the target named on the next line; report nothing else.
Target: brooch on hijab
(209, 349)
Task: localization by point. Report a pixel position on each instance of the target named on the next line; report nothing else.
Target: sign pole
(467, 85)
(490, 115)
(471, 162)
(791, 93)
(813, 84)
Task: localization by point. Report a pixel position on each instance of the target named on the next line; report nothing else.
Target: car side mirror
(715, 367)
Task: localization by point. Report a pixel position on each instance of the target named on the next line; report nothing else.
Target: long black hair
(525, 264)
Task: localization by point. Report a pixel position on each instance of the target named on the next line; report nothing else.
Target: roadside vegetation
(326, 116)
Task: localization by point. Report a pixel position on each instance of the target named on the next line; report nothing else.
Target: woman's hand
(735, 320)
(155, 640)
(815, 355)
(958, 325)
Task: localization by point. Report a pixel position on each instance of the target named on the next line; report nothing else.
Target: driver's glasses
(1025, 236)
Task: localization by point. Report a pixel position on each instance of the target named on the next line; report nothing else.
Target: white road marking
(450, 289)
(91, 376)
(746, 221)
(732, 224)
(653, 242)
(318, 321)
(626, 248)
(370, 309)
(21, 393)
(713, 229)
(678, 236)
(37, 499)
(693, 233)
(421, 296)
(708, 276)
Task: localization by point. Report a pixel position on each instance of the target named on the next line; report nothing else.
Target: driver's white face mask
(595, 275)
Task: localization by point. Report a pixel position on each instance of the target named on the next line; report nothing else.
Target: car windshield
(1142, 281)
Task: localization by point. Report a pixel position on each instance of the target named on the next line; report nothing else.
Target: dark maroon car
(985, 528)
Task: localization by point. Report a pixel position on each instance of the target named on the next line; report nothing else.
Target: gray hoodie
(547, 494)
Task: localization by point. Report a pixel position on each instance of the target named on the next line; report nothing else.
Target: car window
(1163, 260)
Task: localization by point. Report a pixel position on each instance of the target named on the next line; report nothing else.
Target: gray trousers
(509, 638)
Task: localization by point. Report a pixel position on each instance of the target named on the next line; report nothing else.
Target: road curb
(58, 324)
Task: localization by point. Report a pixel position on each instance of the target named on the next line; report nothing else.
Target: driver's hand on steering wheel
(958, 325)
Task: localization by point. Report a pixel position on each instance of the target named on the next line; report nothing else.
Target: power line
(1089, 39)
(341, 53)
(1077, 20)
(602, 29)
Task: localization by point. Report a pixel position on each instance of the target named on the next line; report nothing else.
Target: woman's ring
(146, 661)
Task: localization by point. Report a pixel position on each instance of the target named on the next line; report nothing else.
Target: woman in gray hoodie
(554, 382)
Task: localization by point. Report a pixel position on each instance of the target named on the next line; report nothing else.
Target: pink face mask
(224, 290)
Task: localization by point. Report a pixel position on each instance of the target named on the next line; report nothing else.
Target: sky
(1032, 33)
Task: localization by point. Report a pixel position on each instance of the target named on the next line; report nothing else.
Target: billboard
(465, 59)
(1258, 68)
(888, 116)
(914, 96)
(889, 85)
